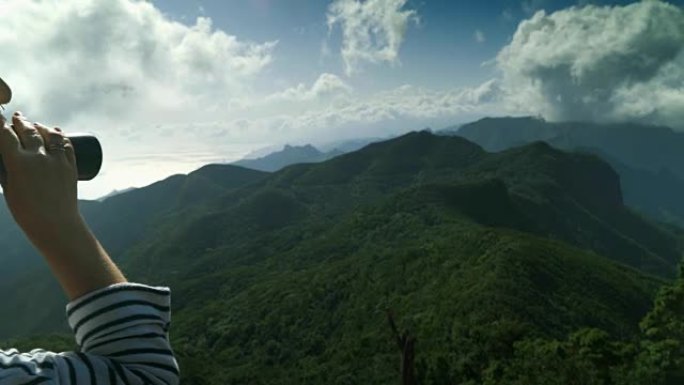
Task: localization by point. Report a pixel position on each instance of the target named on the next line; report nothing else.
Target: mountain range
(288, 276)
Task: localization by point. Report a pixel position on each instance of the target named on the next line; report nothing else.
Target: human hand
(40, 190)
(40, 179)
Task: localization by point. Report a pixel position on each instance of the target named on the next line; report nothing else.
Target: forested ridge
(518, 267)
(649, 159)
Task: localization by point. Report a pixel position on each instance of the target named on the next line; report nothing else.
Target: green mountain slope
(123, 219)
(574, 198)
(364, 232)
(465, 291)
(288, 278)
(119, 222)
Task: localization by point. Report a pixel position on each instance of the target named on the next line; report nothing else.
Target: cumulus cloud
(599, 63)
(103, 58)
(327, 85)
(372, 30)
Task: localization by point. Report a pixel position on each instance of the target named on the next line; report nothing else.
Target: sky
(171, 85)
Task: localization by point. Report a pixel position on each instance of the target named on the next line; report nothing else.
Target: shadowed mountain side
(660, 194)
(649, 159)
(577, 198)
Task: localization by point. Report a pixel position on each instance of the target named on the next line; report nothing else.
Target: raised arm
(121, 327)
(40, 191)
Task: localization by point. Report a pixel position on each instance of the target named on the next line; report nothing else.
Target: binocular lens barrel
(88, 155)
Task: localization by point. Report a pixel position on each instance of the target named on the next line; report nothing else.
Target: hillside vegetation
(523, 266)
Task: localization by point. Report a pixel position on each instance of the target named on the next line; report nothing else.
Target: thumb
(9, 147)
(9, 142)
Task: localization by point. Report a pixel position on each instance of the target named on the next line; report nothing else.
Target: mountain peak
(289, 154)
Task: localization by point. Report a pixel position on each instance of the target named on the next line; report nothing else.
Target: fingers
(69, 151)
(9, 147)
(28, 135)
(55, 142)
(53, 139)
(68, 147)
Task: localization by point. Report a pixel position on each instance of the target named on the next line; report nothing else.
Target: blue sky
(440, 50)
(170, 85)
(441, 45)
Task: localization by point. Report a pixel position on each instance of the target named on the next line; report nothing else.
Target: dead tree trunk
(406, 345)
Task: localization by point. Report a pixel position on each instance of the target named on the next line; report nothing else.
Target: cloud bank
(100, 58)
(598, 63)
(372, 30)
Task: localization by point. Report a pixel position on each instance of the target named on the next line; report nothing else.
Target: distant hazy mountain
(652, 148)
(350, 145)
(287, 156)
(114, 193)
(649, 159)
(270, 159)
(262, 152)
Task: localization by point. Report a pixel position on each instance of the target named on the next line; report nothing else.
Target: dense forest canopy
(523, 266)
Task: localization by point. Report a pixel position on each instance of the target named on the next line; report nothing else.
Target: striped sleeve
(122, 332)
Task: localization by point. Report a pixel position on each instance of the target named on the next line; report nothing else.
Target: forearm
(122, 328)
(76, 258)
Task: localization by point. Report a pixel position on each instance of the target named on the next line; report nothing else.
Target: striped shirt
(122, 334)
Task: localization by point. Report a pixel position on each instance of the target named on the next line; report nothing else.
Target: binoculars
(86, 147)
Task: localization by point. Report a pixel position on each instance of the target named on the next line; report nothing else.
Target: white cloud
(479, 36)
(372, 30)
(398, 110)
(599, 63)
(327, 85)
(74, 58)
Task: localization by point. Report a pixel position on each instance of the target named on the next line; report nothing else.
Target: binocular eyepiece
(86, 146)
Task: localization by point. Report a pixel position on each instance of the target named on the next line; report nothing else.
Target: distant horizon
(269, 150)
